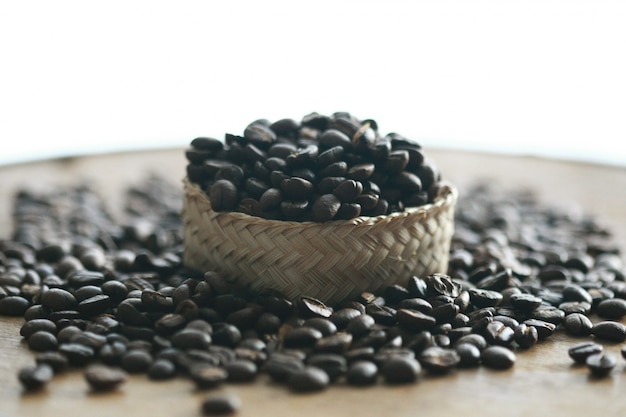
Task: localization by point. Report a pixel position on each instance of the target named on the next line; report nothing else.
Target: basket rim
(446, 196)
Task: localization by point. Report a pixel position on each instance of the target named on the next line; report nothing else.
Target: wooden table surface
(543, 381)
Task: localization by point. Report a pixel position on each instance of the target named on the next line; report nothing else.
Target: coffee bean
(302, 337)
(581, 351)
(308, 379)
(104, 378)
(325, 208)
(544, 329)
(360, 325)
(136, 361)
(35, 377)
(525, 302)
(57, 299)
(613, 309)
(42, 341)
(296, 188)
(401, 370)
(601, 364)
(497, 357)
(362, 373)
(577, 324)
(439, 284)
(332, 364)
(13, 305)
(30, 327)
(336, 343)
(54, 359)
(324, 326)
(525, 336)
(311, 307)
(609, 330)
(415, 320)
(438, 360)
(223, 195)
(221, 404)
(77, 354)
(469, 355)
(207, 376)
(280, 366)
(241, 370)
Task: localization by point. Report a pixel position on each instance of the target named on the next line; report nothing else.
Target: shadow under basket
(331, 261)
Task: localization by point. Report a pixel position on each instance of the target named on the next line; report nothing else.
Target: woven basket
(331, 261)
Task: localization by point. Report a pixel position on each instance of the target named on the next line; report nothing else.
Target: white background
(544, 77)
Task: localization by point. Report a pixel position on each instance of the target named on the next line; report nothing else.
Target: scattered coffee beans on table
(113, 296)
(319, 168)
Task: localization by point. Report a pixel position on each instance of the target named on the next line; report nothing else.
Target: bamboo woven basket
(331, 261)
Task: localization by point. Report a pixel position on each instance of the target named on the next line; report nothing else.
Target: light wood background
(543, 382)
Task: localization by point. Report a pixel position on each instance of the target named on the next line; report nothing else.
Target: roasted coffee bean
(362, 373)
(221, 404)
(613, 309)
(469, 355)
(296, 188)
(332, 364)
(294, 210)
(401, 370)
(35, 377)
(311, 307)
(104, 378)
(223, 195)
(225, 334)
(13, 305)
(54, 359)
(336, 343)
(609, 330)
(308, 379)
(570, 307)
(280, 366)
(77, 354)
(439, 284)
(42, 341)
(498, 333)
(438, 360)
(576, 293)
(601, 364)
(207, 376)
(549, 314)
(525, 336)
(577, 324)
(57, 299)
(360, 325)
(544, 329)
(525, 302)
(473, 339)
(497, 357)
(581, 351)
(325, 208)
(136, 361)
(302, 337)
(30, 327)
(484, 298)
(241, 370)
(324, 326)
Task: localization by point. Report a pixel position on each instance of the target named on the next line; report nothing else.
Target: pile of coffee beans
(317, 169)
(112, 297)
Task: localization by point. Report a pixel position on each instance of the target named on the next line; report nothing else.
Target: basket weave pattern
(331, 261)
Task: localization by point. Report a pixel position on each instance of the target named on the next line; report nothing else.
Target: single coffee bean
(13, 305)
(302, 337)
(77, 354)
(336, 343)
(308, 379)
(581, 351)
(325, 208)
(35, 377)
(311, 307)
(221, 404)
(223, 195)
(57, 299)
(104, 378)
(207, 376)
(613, 309)
(136, 361)
(362, 373)
(415, 320)
(30, 327)
(469, 355)
(296, 188)
(334, 365)
(544, 328)
(439, 360)
(161, 369)
(54, 359)
(497, 357)
(577, 324)
(609, 330)
(280, 366)
(581, 307)
(401, 370)
(525, 336)
(525, 302)
(360, 325)
(439, 284)
(241, 370)
(601, 364)
(42, 341)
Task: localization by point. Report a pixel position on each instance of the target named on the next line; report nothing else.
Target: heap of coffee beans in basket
(320, 168)
(112, 296)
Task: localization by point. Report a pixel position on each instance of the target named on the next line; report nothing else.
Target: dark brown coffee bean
(323, 325)
(361, 172)
(439, 284)
(348, 190)
(35, 377)
(207, 144)
(223, 195)
(302, 337)
(207, 376)
(325, 208)
(577, 324)
(294, 210)
(332, 137)
(613, 309)
(360, 325)
(191, 339)
(311, 307)
(77, 354)
(609, 330)
(241, 370)
(415, 320)
(136, 361)
(348, 211)
(221, 404)
(54, 359)
(336, 343)
(544, 328)
(401, 370)
(525, 336)
(104, 378)
(497, 357)
(469, 355)
(332, 364)
(42, 341)
(581, 351)
(296, 188)
(270, 199)
(308, 379)
(280, 366)
(438, 360)
(601, 364)
(30, 327)
(57, 299)
(525, 302)
(362, 373)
